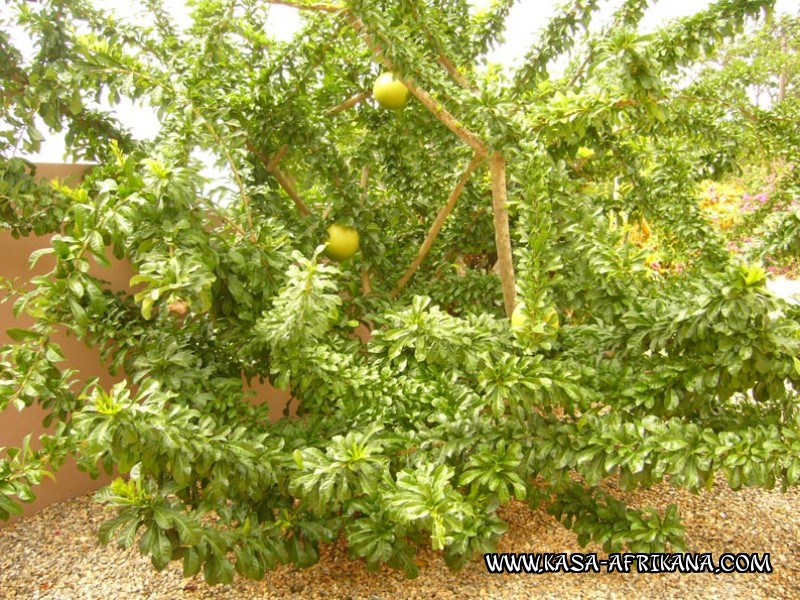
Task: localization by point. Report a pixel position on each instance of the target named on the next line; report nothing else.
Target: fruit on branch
(342, 242)
(520, 318)
(551, 317)
(390, 92)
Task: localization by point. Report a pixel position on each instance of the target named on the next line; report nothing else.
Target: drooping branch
(437, 225)
(283, 180)
(349, 103)
(502, 235)
(447, 119)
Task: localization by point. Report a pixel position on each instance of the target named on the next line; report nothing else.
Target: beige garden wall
(14, 425)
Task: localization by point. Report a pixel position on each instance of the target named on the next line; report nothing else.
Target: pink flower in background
(762, 198)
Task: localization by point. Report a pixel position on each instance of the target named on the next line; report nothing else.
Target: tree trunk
(502, 236)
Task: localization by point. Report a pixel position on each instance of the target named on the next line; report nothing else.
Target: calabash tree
(485, 191)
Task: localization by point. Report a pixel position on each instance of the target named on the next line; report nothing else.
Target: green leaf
(218, 570)
(191, 562)
(21, 335)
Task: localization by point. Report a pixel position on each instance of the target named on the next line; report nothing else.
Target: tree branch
(448, 120)
(290, 190)
(331, 8)
(437, 225)
(366, 280)
(349, 103)
(237, 176)
(744, 112)
(280, 176)
(273, 163)
(502, 236)
(364, 182)
(457, 76)
(442, 58)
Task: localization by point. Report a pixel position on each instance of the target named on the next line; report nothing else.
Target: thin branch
(448, 120)
(290, 190)
(442, 58)
(364, 182)
(457, 75)
(366, 281)
(502, 236)
(281, 177)
(437, 225)
(579, 71)
(232, 224)
(273, 163)
(349, 103)
(744, 112)
(331, 8)
(232, 164)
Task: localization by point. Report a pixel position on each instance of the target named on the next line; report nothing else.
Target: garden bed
(54, 554)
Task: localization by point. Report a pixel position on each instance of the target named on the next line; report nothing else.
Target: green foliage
(420, 435)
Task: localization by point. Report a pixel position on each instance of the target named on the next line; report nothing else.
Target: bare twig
(502, 236)
(280, 176)
(349, 103)
(437, 225)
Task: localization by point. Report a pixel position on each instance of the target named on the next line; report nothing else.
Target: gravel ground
(54, 554)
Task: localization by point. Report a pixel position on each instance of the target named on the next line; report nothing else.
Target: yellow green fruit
(551, 316)
(342, 242)
(390, 92)
(519, 317)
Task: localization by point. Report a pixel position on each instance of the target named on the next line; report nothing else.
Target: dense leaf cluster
(420, 435)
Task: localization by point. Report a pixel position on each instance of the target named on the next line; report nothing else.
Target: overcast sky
(527, 17)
